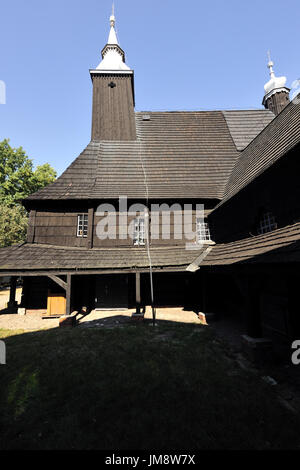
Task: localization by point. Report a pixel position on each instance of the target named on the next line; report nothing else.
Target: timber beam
(58, 281)
(68, 294)
(91, 272)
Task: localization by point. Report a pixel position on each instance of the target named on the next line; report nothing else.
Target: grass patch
(135, 387)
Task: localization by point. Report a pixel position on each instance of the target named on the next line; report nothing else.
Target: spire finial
(113, 57)
(270, 65)
(112, 18)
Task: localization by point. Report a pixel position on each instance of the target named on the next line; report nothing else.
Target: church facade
(195, 209)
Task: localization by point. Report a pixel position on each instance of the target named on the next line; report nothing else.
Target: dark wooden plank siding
(31, 226)
(277, 190)
(113, 109)
(60, 228)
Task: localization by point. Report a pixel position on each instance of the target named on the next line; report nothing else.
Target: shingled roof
(244, 126)
(274, 142)
(33, 257)
(178, 154)
(279, 246)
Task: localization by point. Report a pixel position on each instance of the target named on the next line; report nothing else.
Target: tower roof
(113, 57)
(275, 84)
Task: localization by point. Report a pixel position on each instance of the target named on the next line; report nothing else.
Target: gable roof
(180, 154)
(245, 125)
(274, 142)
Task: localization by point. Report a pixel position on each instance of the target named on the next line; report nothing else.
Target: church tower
(276, 93)
(113, 115)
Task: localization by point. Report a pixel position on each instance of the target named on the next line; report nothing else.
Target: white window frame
(82, 225)
(139, 231)
(202, 230)
(267, 223)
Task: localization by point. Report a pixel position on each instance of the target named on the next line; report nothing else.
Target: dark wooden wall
(113, 115)
(277, 102)
(277, 190)
(58, 226)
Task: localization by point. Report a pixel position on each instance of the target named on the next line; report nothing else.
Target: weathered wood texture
(12, 292)
(90, 237)
(113, 108)
(277, 102)
(273, 143)
(184, 155)
(69, 295)
(244, 126)
(31, 226)
(59, 228)
(278, 246)
(277, 190)
(138, 292)
(36, 257)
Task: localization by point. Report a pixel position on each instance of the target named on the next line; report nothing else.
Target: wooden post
(68, 294)
(90, 227)
(138, 292)
(24, 295)
(12, 295)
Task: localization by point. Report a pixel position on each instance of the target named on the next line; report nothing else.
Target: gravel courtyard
(99, 319)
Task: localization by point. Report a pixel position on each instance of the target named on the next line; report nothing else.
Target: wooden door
(56, 304)
(111, 291)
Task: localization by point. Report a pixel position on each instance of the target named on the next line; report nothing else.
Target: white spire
(270, 66)
(112, 38)
(275, 84)
(113, 58)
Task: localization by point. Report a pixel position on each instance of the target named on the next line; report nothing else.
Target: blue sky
(187, 55)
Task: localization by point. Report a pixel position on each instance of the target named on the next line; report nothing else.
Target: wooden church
(241, 166)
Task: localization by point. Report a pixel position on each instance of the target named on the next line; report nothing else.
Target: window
(203, 233)
(267, 223)
(82, 225)
(139, 232)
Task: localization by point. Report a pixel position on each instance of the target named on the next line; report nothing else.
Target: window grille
(82, 225)
(267, 223)
(139, 232)
(203, 233)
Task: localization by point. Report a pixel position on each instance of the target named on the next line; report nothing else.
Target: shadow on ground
(136, 387)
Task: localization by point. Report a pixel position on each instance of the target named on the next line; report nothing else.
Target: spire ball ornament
(276, 93)
(113, 57)
(271, 65)
(112, 18)
(112, 21)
